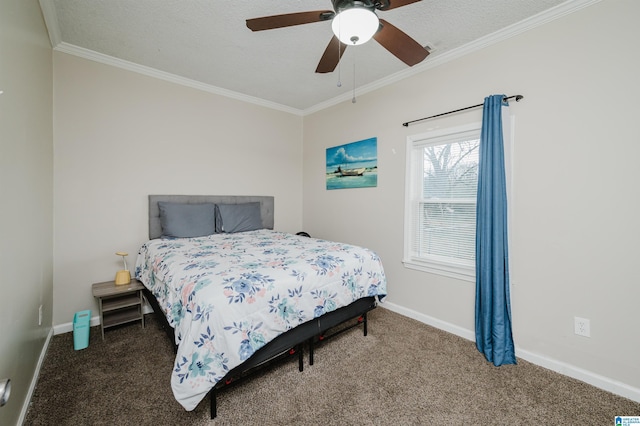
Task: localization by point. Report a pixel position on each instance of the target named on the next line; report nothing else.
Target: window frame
(435, 137)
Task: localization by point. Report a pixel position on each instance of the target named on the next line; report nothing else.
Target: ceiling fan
(391, 38)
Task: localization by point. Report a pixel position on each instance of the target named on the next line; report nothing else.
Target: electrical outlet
(582, 327)
(40, 315)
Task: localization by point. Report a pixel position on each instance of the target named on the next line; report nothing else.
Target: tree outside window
(440, 206)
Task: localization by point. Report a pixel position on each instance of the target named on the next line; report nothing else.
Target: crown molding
(162, 75)
(51, 21)
(435, 60)
(474, 46)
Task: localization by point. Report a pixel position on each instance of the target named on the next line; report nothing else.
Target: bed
(235, 295)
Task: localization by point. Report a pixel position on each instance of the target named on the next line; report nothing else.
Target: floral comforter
(227, 295)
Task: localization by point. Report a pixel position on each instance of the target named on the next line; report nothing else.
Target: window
(440, 201)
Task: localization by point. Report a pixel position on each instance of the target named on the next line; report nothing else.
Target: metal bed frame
(290, 343)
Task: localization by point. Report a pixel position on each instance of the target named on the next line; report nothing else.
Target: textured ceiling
(207, 41)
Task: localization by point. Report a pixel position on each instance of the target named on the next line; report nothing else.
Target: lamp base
(123, 277)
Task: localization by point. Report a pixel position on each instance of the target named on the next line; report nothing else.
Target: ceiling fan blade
(289, 19)
(393, 4)
(331, 56)
(400, 44)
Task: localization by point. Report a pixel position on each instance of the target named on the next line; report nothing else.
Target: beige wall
(120, 136)
(575, 197)
(26, 159)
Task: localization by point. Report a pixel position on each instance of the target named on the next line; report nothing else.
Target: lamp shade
(355, 25)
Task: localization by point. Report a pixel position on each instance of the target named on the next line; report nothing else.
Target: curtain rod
(517, 98)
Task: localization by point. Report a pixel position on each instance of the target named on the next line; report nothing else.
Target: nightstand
(119, 304)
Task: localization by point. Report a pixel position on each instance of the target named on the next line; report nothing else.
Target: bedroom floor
(403, 372)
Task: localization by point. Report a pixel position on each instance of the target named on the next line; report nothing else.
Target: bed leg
(214, 408)
(311, 351)
(364, 322)
(300, 358)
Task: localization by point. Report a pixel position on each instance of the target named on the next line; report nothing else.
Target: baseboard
(68, 326)
(602, 382)
(442, 325)
(563, 368)
(34, 378)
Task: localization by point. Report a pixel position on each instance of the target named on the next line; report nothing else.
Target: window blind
(445, 180)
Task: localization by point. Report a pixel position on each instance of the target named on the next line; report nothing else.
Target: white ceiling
(206, 44)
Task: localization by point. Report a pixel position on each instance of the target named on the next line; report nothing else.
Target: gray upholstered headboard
(155, 230)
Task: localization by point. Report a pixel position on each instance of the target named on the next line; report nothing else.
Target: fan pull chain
(353, 100)
(339, 48)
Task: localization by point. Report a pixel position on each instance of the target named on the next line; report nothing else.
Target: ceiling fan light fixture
(355, 26)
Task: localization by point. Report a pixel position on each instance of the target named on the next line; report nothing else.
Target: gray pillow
(183, 220)
(238, 217)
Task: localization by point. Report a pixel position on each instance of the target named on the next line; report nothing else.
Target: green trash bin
(81, 324)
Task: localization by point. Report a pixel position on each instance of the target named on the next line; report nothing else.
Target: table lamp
(123, 277)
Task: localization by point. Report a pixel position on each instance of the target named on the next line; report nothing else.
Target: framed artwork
(354, 165)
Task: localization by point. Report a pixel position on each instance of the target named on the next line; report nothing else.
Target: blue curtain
(493, 307)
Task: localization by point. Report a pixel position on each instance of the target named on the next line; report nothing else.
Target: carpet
(403, 373)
